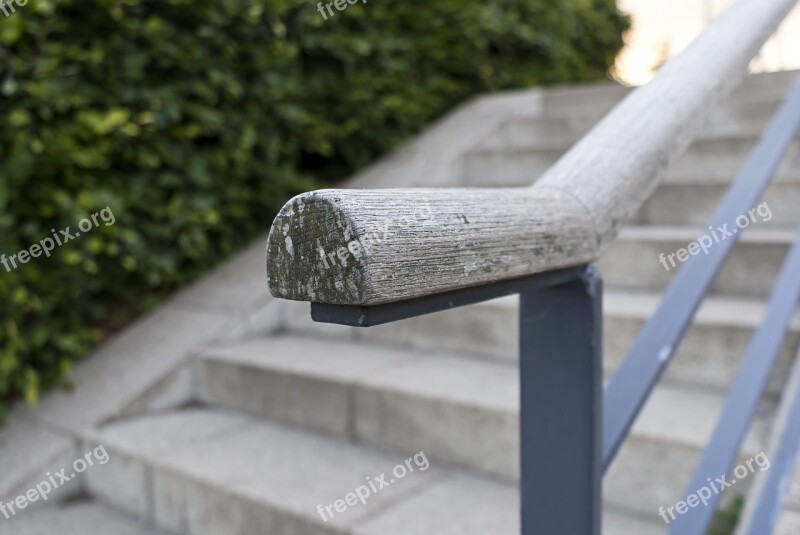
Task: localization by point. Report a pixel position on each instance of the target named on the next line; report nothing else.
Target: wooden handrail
(365, 247)
(619, 163)
(377, 246)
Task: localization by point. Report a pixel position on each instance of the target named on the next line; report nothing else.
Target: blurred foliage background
(194, 120)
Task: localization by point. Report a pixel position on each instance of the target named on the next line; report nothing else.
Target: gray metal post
(561, 407)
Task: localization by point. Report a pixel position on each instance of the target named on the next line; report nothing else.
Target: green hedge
(194, 120)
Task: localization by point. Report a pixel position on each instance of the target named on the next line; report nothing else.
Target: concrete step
(693, 202)
(708, 357)
(643, 259)
(716, 160)
(737, 119)
(207, 471)
(410, 401)
(81, 517)
(602, 97)
(688, 195)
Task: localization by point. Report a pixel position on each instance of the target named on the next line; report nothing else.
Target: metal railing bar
(659, 338)
(743, 397)
(762, 509)
(561, 392)
(561, 348)
(369, 316)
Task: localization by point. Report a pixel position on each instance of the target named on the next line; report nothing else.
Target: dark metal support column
(561, 407)
(561, 376)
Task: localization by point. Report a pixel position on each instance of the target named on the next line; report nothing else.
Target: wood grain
(375, 246)
(620, 162)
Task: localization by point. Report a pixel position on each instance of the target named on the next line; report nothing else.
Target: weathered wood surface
(376, 246)
(619, 163)
(361, 247)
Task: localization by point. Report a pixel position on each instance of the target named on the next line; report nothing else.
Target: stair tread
(451, 378)
(292, 471)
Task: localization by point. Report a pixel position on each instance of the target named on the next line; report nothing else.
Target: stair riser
(488, 330)
(189, 506)
(485, 330)
(714, 161)
(708, 356)
(737, 120)
(694, 204)
(649, 275)
(647, 475)
(475, 437)
(312, 403)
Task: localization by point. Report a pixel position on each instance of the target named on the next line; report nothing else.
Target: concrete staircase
(283, 419)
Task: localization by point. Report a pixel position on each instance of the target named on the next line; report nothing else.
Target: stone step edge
(151, 462)
(665, 395)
